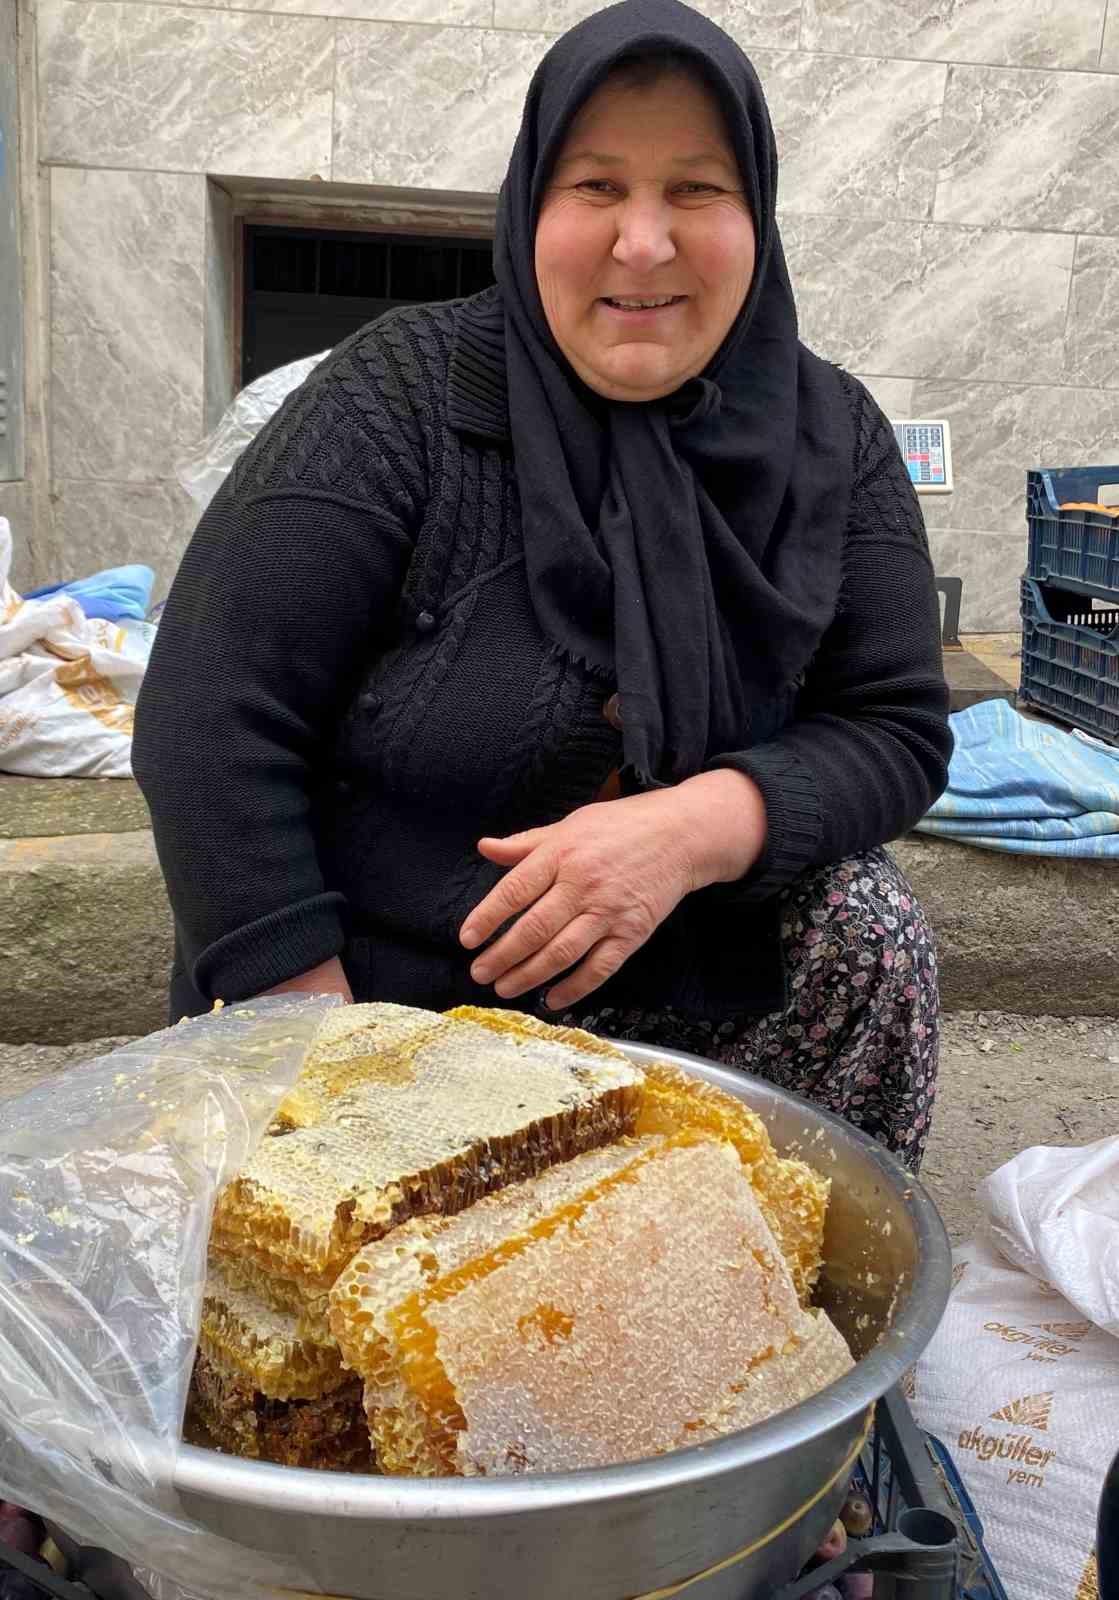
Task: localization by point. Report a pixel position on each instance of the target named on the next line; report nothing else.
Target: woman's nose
(644, 235)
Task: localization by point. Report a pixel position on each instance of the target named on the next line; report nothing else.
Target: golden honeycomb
(263, 1387)
(399, 1113)
(522, 1340)
(793, 1197)
(385, 1274)
(468, 1238)
(239, 1332)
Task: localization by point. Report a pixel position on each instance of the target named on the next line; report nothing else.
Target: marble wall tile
(15, 504)
(1030, 150)
(855, 135)
(126, 321)
(218, 355)
(429, 107)
(990, 565)
(915, 298)
(1109, 51)
(1042, 33)
(1092, 339)
(894, 395)
(751, 22)
(135, 85)
(999, 432)
(448, 13)
(98, 525)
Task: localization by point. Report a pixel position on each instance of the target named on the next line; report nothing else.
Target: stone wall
(950, 209)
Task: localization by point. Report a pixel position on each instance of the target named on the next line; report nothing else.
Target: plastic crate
(926, 1540)
(1072, 549)
(1070, 658)
(903, 1466)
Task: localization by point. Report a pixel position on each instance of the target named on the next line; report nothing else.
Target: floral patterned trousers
(861, 1030)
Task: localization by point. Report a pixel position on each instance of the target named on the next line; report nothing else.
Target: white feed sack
(1022, 1381)
(68, 684)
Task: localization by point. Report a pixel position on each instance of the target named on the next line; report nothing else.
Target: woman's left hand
(592, 888)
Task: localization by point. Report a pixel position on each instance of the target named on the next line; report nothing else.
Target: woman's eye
(596, 185)
(697, 188)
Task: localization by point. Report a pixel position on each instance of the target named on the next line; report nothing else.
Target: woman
(575, 645)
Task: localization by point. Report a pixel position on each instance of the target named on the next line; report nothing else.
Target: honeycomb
(792, 1197)
(311, 1312)
(399, 1113)
(241, 1334)
(413, 1256)
(265, 1387)
(226, 1412)
(505, 1346)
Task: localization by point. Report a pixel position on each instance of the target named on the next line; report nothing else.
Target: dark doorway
(306, 288)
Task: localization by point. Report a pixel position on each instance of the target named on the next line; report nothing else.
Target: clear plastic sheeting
(202, 471)
(108, 1175)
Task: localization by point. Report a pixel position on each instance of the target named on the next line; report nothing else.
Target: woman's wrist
(327, 978)
(725, 825)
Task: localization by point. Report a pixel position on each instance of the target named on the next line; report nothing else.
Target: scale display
(926, 449)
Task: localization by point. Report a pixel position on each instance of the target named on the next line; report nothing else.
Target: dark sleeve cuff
(272, 949)
(793, 821)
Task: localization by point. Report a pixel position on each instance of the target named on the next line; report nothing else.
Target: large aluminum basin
(631, 1531)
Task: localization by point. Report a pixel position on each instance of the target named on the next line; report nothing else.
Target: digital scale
(926, 449)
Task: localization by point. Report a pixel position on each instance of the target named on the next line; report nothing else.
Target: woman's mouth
(645, 306)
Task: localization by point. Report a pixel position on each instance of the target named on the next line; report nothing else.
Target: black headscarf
(688, 548)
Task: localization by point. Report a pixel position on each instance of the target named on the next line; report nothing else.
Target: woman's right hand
(328, 978)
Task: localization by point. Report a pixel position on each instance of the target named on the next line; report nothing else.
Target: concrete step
(85, 930)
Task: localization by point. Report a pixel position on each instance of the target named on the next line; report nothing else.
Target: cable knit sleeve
(867, 752)
(291, 579)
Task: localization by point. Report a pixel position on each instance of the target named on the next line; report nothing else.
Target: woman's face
(646, 204)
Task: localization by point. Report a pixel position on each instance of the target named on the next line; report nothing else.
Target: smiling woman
(645, 243)
(576, 642)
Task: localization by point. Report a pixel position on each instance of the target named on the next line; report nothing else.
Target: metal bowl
(630, 1531)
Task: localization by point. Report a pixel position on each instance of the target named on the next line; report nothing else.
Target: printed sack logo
(1067, 1330)
(1032, 1411)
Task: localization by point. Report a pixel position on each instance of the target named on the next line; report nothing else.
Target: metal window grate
(307, 289)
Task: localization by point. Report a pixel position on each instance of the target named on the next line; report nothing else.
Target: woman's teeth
(642, 305)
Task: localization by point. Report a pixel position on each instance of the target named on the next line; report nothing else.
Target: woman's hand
(592, 888)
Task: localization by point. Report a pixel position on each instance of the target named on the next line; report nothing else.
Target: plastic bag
(1021, 1381)
(1055, 1214)
(108, 1174)
(68, 684)
(114, 594)
(201, 472)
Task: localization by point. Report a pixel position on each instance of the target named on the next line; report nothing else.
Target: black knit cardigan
(349, 688)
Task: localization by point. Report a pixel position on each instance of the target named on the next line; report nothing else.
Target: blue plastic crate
(1070, 658)
(1072, 549)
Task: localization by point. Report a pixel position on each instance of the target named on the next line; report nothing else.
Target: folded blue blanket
(1025, 786)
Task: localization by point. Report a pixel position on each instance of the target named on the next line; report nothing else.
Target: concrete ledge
(85, 938)
(45, 808)
(1019, 933)
(85, 933)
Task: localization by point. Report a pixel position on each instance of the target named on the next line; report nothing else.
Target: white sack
(68, 684)
(1021, 1381)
